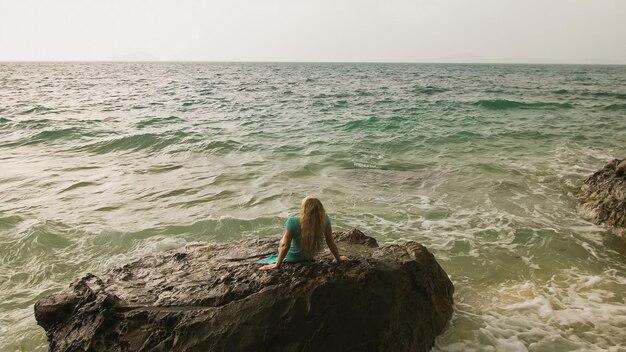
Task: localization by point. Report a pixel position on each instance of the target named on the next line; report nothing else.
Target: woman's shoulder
(293, 222)
(294, 218)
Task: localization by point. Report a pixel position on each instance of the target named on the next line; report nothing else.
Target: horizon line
(314, 62)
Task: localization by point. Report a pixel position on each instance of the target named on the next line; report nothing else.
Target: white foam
(573, 310)
(529, 263)
(589, 249)
(539, 305)
(510, 344)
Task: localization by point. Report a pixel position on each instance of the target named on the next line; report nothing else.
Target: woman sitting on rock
(303, 236)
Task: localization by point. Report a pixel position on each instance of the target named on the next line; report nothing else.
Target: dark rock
(603, 196)
(620, 168)
(212, 297)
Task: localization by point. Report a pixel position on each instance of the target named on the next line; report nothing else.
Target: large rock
(212, 297)
(603, 196)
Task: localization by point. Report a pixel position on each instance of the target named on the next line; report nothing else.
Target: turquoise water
(104, 162)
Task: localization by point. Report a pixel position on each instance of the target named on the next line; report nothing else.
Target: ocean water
(104, 162)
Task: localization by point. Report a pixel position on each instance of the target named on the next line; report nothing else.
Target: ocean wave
(40, 238)
(34, 123)
(373, 122)
(363, 93)
(222, 146)
(144, 141)
(7, 222)
(602, 94)
(526, 135)
(78, 185)
(494, 90)
(45, 137)
(159, 121)
(385, 101)
(336, 95)
(503, 104)
(221, 195)
(225, 228)
(34, 110)
(207, 91)
(359, 165)
(456, 137)
(615, 107)
(340, 104)
(48, 135)
(157, 169)
(356, 124)
(429, 90)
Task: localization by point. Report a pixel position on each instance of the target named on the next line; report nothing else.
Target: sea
(102, 163)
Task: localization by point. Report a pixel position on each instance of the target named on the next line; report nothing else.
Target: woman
(303, 236)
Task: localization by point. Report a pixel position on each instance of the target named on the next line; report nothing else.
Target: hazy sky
(552, 31)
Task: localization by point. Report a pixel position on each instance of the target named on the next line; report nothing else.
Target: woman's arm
(328, 235)
(285, 243)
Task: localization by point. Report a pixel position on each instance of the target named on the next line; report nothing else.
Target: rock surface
(603, 196)
(212, 297)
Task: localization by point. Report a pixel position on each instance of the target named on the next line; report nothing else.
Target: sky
(506, 31)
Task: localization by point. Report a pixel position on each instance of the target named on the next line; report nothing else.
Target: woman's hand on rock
(343, 258)
(268, 267)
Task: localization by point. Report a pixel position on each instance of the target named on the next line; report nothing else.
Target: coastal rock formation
(212, 297)
(603, 196)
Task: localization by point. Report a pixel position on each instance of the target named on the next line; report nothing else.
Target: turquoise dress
(294, 254)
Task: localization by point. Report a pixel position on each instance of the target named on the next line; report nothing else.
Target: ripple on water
(8, 222)
(429, 90)
(157, 169)
(79, 185)
(138, 142)
(503, 104)
(55, 134)
(34, 110)
(604, 94)
(159, 121)
(222, 146)
(615, 107)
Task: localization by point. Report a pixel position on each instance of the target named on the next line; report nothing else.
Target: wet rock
(603, 196)
(620, 168)
(212, 297)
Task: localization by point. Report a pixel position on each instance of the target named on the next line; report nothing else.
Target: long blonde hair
(312, 226)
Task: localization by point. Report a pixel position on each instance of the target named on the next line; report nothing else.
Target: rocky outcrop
(212, 297)
(603, 196)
